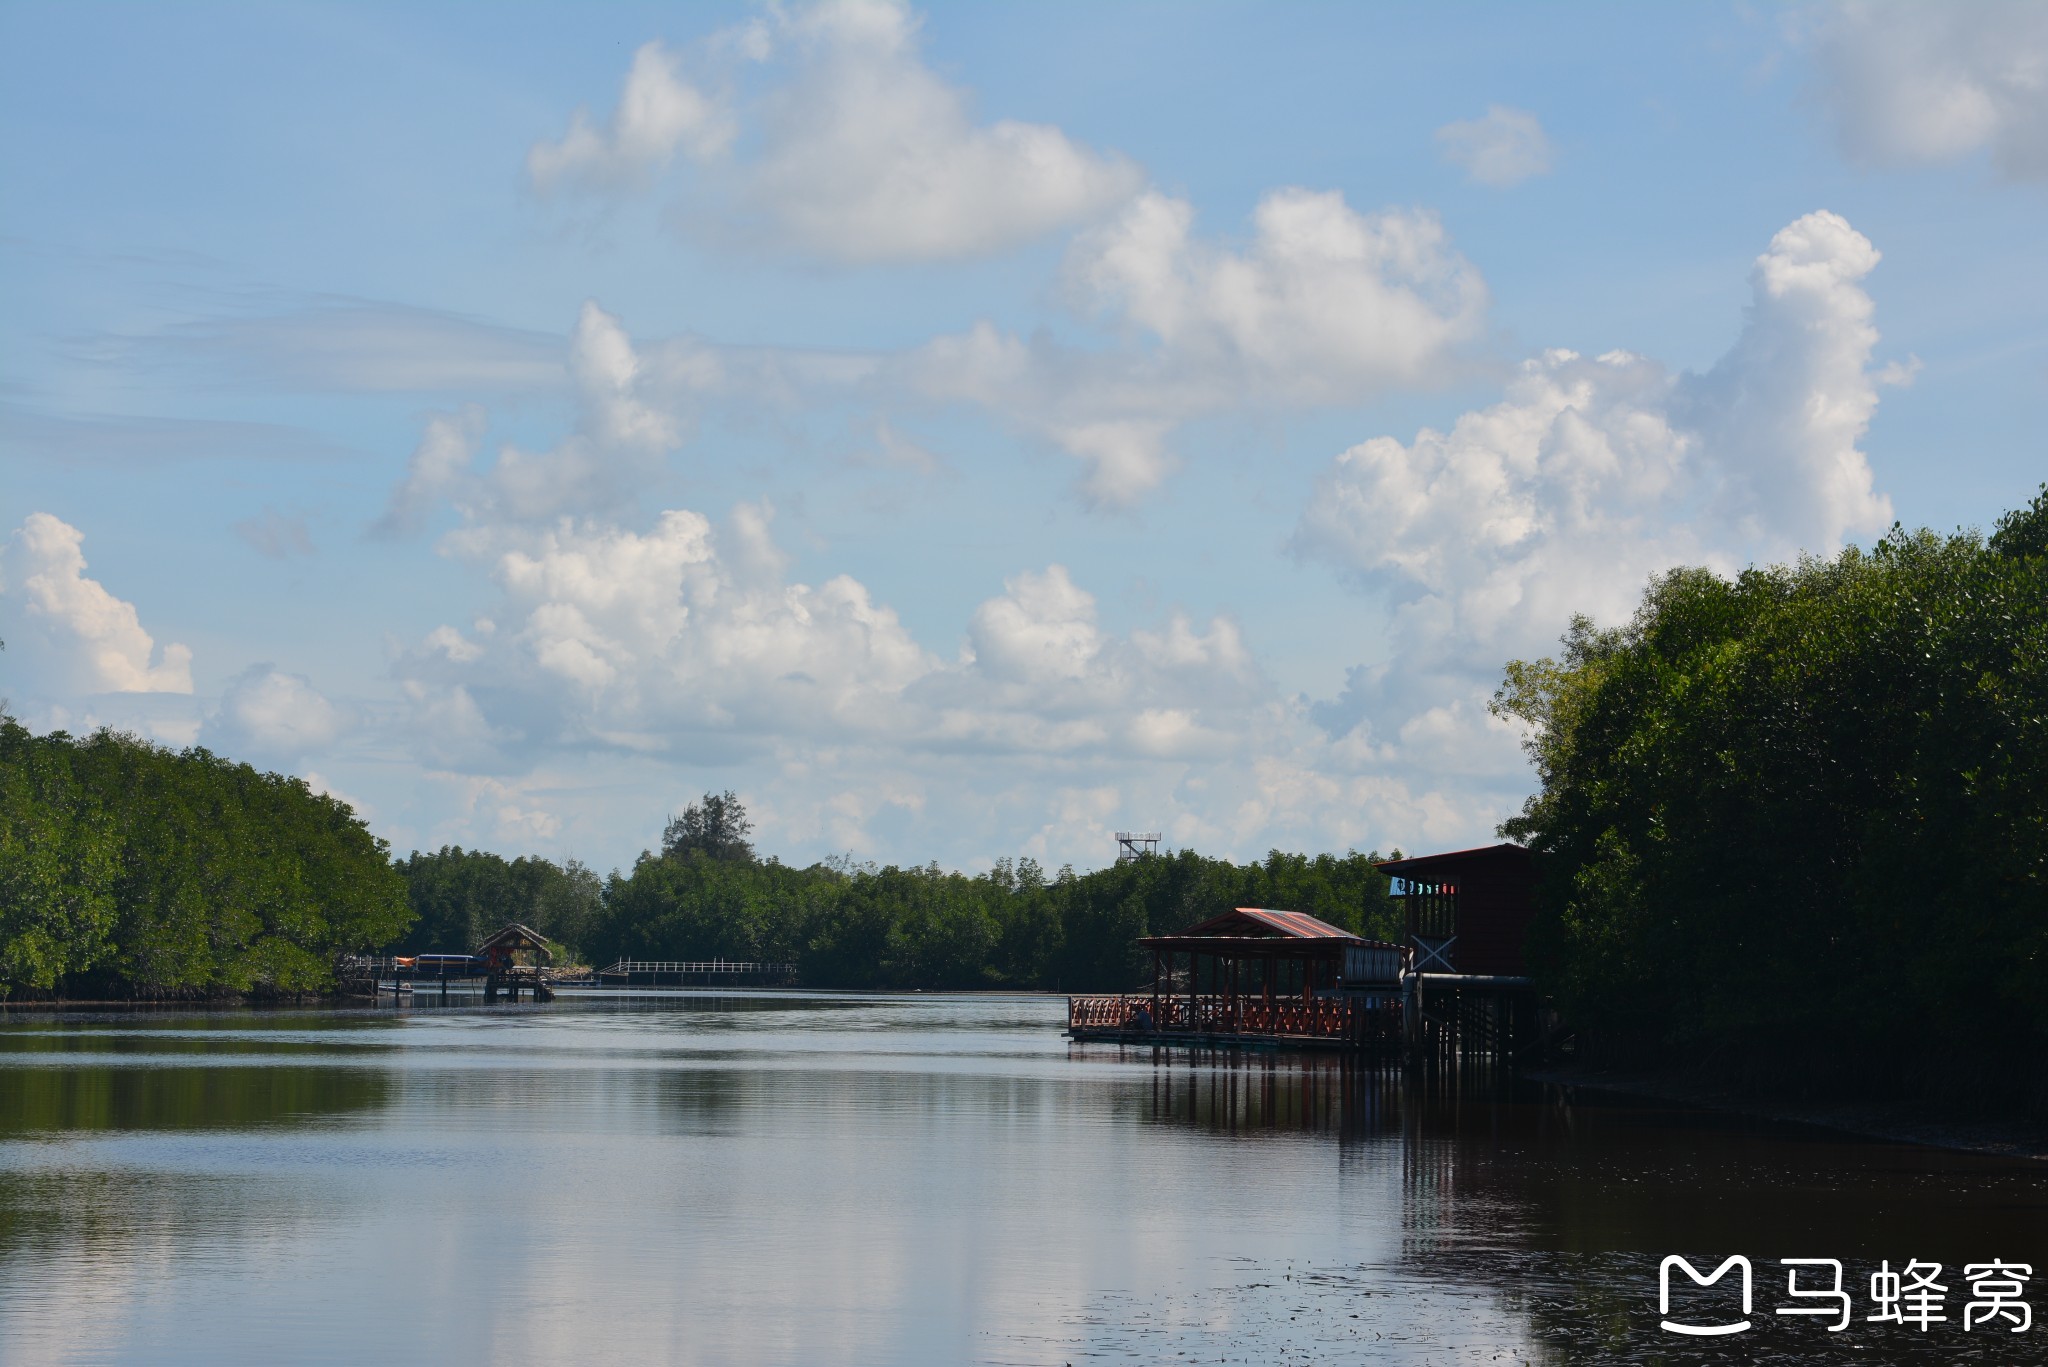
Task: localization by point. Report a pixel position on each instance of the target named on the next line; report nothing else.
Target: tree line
(1793, 825)
(129, 869)
(706, 894)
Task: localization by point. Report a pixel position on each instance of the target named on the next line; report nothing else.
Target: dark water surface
(801, 1180)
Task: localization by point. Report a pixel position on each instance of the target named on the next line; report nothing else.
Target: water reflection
(1559, 1205)
(87, 1099)
(782, 1179)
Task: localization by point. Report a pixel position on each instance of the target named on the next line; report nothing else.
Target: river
(786, 1179)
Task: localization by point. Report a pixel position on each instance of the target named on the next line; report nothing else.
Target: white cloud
(1041, 631)
(1917, 84)
(857, 152)
(641, 639)
(1504, 147)
(658, 114)
(92, 640)
(869, 156)
(1780, 415)
(267, 714)
(1586, 478)
(1325, 305)
(689, 640)
(625, 429)
(437, 467)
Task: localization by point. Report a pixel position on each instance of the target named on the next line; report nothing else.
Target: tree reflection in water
(1557, 1206)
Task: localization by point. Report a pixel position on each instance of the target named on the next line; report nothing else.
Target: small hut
(515, 946)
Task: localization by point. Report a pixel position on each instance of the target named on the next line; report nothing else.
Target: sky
(973, 430)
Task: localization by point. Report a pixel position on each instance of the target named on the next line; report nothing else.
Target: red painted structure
(1253, 974)
(1469, 910)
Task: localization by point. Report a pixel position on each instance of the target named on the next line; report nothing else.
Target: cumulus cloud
(92, 641)
(1587, 477)
(1920, 84)
(867, 155)
(658, 114)
(1325, 305)
(690, 640)
(1503, 147)
(270, 715)
(857, 152)
(624, 431)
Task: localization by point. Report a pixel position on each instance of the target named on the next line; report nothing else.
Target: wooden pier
(1257, 978)
(510, 963)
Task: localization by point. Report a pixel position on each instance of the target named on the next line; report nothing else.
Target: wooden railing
(626, 968)
(1319, 1017)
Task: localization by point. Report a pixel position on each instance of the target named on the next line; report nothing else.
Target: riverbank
(1896, 1124)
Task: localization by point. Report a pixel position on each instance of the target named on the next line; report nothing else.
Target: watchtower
(1135, 844)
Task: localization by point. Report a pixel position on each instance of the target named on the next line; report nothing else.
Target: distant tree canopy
(862, 925)
(460, 896)
(1800, 818)
(716, 828)
(127, 868)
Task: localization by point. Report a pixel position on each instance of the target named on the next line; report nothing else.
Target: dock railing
(727, 971)
(1337, 1017)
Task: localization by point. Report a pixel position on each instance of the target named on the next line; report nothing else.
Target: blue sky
(969, 430)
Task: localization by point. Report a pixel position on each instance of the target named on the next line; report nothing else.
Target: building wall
(1495, 903)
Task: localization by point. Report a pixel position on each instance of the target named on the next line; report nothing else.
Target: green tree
(715, 827)
(1797, 821)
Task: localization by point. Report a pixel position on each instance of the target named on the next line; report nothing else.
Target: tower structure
(1135, 844)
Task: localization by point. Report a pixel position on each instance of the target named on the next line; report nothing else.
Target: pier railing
(1336, 1017)
(730, 971)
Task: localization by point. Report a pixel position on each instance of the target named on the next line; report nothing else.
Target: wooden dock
(1457, 990)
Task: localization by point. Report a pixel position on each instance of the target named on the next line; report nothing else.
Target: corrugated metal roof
(1293, 925)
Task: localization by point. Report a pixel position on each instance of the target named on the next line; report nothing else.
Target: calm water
(905, 1180)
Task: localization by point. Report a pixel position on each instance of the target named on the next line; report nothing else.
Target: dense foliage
(129, 869)
(1798, 821)
(858, 925)
(717, 827)
(863, 926)
(460, 896)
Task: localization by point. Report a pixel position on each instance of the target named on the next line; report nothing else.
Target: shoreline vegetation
(1791, 832)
